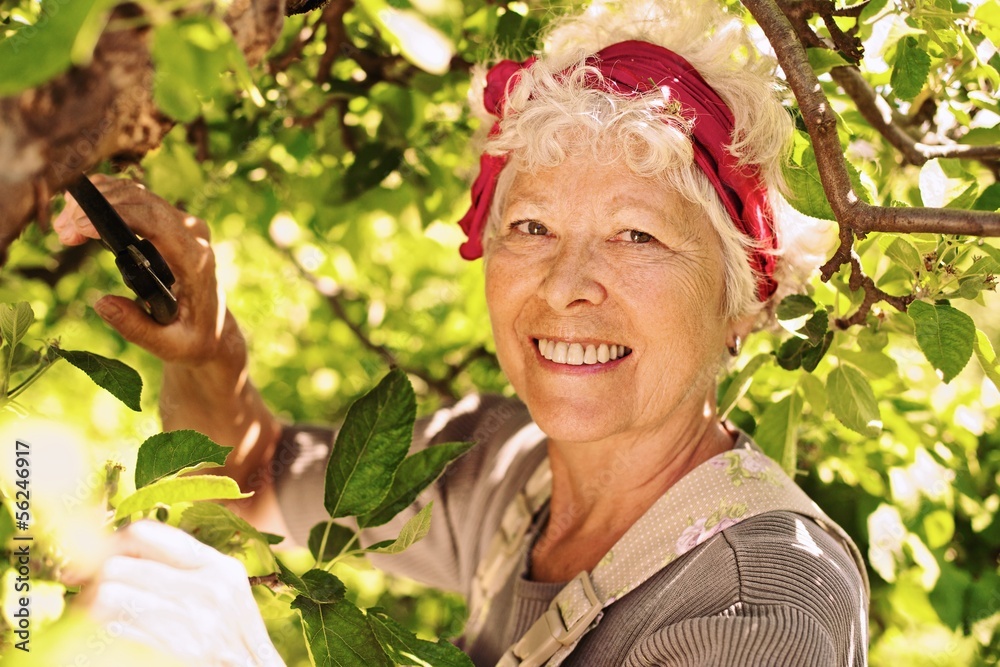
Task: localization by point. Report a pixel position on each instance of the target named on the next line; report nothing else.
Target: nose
(572, 278)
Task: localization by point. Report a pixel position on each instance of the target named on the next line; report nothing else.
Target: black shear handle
(142, 267)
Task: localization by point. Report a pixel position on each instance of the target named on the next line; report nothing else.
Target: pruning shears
(143, 269)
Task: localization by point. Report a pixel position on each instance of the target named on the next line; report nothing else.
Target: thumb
(130, 320)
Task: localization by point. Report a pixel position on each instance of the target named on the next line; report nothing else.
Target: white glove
(165, 589)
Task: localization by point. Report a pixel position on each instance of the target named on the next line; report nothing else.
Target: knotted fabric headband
(629, 69)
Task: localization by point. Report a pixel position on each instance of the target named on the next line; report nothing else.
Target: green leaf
(338, 538)
(777, 430)
(805, 189)
(987, 357)
(823, 60)
(814, 391)
(406, 649)
(945, 335)
(789, 355)
(905, 254)
(909, 73)
(190, 54)
(174, 453)
(65, 34)
(223, 530)
(119, 380)
(15, 320)
(336, 631)
(413, 476)
(812, 354)
(939, 527)
(740, 384)
(794, 306)
(816, 327)
(370, 446)
(414, 531)
(179, 490)
(853, 402)
(989, 199)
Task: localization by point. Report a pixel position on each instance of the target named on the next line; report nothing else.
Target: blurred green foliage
(332, 196)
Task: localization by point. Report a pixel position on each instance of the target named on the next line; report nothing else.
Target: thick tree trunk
(50, 134)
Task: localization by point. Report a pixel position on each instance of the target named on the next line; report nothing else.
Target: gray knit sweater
(776, 589)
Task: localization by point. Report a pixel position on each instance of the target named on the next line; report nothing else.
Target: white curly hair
(553, 112)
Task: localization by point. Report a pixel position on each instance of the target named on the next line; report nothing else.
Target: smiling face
(605, 293)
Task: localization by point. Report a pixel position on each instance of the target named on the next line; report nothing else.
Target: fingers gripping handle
(142, 267)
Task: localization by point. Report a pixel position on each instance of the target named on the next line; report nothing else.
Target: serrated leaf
(336, 631)
(415, 473)
(812, 354)
(909, 73)
(740, 384)
(174, 453)
(119, 380)
(853, 402)
(15, 320)
(945, 335)
(179, 490)
(905, 254)
(223, 530)
(873, 363)
(816, 327)
(413, 531)
(370, 446)
(987, 357)
(407, 649)
(794, 306)
(777, 430)
(338, 538)
(789, 355)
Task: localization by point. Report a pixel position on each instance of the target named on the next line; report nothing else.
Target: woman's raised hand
(203, 331)
(205, 382)
(166, 590)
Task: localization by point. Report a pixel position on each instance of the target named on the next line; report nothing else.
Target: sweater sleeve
(468, 498)
(759, 636)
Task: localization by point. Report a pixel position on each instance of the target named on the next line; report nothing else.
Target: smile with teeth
(577, 354)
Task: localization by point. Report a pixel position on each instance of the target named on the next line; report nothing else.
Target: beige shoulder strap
(729, 488)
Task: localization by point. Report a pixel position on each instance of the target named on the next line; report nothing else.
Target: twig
(67, 260)
(269, 580)
(885, 121)
(333, 299)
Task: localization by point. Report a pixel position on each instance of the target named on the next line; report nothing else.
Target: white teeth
(576, 354)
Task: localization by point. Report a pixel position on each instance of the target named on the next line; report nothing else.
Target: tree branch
(886, 122)
(821, 123)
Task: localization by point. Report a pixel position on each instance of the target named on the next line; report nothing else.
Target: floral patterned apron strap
(719, 493)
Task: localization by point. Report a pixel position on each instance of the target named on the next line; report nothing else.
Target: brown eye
(536, 228)
(635, 236)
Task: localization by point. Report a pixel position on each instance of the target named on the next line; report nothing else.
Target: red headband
(632, 68)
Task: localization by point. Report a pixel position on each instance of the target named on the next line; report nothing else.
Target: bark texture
(50, 134)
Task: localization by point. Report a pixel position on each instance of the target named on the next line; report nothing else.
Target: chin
(577, 420)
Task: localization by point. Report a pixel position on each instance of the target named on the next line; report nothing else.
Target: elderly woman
(624, 211)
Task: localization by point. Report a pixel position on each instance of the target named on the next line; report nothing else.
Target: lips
(580, 354)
